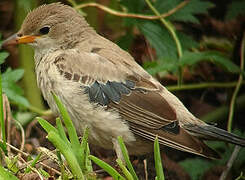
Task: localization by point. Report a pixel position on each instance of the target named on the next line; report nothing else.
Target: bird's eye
(44, 30)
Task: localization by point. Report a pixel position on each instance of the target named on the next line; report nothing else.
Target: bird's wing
(129, 90)
(137, 99)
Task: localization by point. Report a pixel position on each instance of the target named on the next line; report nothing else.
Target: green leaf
(110, 170)
(164, 64)
(159, 38)
(33, 163)
(235, 8)
(186, 13)
(124, 170)
(158, 161)
(3, 56)
(195, 167)
(5, 174)
(85, 151)
(12, 75)
(61, 131)
(187, 42)
(132, 7)
(11, 163)
(191, 58)
(68, 154)
(46, 125)
(76, 148)
(126, 157)
(14, 93)
(3, 145)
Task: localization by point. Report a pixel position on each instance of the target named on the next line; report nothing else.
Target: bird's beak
(14, 39)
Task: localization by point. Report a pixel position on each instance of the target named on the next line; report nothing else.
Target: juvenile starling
(103, 87)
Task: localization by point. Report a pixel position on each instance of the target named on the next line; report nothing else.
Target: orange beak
(14, 39)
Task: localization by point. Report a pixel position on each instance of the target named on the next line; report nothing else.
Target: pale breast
(105, 125)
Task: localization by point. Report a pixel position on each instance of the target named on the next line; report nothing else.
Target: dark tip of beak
(12, 40)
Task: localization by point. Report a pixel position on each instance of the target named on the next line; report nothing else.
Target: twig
(27, 155)
(231, 114)
(16, 149)
(145, 169)
(238, 86)
(203, 85)
(7, 118)
(33, 169)
(131, 15)
(230, 162)
(22, 137)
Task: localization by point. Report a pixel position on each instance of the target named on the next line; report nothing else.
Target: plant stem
(171, 30)
(238, 86)
(129, 15)
(231, 112)
(2, 113)
(202, 85)
(32, 92)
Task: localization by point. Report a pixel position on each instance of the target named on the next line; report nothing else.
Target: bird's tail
(210, 132)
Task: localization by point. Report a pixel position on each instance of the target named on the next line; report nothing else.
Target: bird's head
(51, 26)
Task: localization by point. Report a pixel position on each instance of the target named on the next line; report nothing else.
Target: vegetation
(195, 47)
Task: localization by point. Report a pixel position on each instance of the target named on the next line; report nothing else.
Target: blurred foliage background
(195, 49)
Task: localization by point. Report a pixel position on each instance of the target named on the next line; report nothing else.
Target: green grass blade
(3, 144)
(124, 170)
(62, 131)
(84, 148)
(33, 163)
(46, 125)
(76, 147)
(158, 161)
(126, 157)
(5, 174)
(68, 154)
(110, 170)
(88, 162)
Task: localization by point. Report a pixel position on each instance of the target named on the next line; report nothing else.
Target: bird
(104, 89)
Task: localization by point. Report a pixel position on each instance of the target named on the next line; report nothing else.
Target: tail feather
(213, 133)
(182, 141)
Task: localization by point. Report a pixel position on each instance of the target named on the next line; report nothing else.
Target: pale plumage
(103, 87)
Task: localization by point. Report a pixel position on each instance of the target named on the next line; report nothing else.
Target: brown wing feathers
(139, 102)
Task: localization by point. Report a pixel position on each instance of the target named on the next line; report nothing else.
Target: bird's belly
(104, 125)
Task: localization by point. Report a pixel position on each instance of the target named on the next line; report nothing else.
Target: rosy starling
(104, 89)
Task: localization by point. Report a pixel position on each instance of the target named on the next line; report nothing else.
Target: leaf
(12, 75)
(159, 38)
(14, 93)
(191, 58)
(186, 13)
(235, 8)
(195, 167)
(3, 56)
(187, 42)
(76, 148)
(5, 174)
(124, 170)
(125, 41)
(46, 125)
(68, 153)
(163, 64)
(110, 170)
(126, 157)
(132, 7)
(158, 161)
